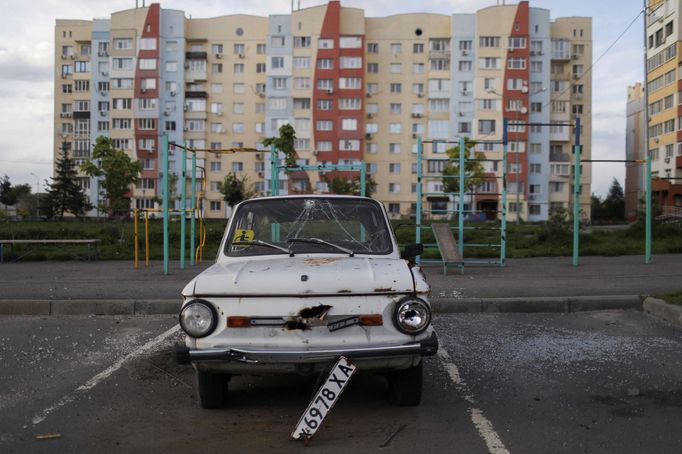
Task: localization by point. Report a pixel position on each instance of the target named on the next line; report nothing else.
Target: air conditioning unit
(105, 73)
(259, 156)
(414, 136)
(172, 93)
(219, 113)
(370, 115)
(465, 52)
(73, 57)
(68, 114)
(64, 57)
(368, 94)
(461, 114)
(103, 113)
(185, 107)
(242, 55)
(465, 92)
(100, 54)
(166, 113)
(576, 76)
(575, 56)
(261, 94)
(62, 115)
(103, 92)
(330, 91)
(368, 136)
(420, 95)
(260, 174)
(64, 76)
(185, 129)
(186, 65)
(143, 90)
(667, 160)
(416, 115)
(218, 55)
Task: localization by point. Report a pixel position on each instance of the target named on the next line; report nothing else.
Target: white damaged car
(300, 281)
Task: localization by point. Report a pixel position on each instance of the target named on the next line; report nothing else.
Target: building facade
(663, 85)
(354, 88)
(635, 172)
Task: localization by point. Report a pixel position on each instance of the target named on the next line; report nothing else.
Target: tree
(343, 186)
(474, 172)
(284, 143)
(118, 172)
(596, 208)
(7, 197)
(614, 204)
(235, 189)
(65, 194)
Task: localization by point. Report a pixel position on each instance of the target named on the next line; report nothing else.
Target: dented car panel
(300, 281)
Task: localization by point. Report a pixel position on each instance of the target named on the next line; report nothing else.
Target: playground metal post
(183, 206)
(418, 214)
(164, 184)
(363, 178)
(136, 237)
(647, 246)
(503, 236)
(576, 194)
(460, 215)
(193, 204)
(274, 171)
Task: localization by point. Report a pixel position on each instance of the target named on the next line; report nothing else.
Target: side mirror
(412, 250)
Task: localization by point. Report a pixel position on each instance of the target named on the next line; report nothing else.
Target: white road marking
(40, 417)
(483, 425)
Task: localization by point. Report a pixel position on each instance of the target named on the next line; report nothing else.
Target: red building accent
(331, 27)
(151, 29)
(520, 29)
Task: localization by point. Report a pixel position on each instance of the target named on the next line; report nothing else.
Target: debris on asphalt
(49, 436)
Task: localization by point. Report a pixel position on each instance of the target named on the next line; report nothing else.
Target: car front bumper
(185, 355)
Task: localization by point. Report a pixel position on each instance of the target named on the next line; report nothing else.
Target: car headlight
(198, 318)
(412, 315)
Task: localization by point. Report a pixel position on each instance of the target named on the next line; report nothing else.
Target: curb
(661, 310)
(89, 307)
(440, 305)
(537, 304)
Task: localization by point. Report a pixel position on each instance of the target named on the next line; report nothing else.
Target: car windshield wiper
(319, 241)
(263, 243)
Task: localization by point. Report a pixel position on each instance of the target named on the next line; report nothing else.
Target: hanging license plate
(324, 399)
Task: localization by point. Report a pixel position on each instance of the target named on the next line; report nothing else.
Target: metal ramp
(447, 246)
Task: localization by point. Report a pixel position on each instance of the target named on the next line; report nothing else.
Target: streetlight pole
(37, 195)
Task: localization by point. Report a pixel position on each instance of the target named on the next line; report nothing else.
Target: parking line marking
(482, 424)
(37, 419)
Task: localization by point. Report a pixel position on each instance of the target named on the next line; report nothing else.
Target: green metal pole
(193, 207)
(183, 206)
(460, 215)
(418, 210)
(576, 194)
(274, 172)
(647, 257)
(503, 229)
(164, 185)
(363, 178)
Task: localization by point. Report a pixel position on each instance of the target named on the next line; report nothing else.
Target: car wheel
(212, 389)
(405, 386)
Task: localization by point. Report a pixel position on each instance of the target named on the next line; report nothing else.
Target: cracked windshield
(309, 225)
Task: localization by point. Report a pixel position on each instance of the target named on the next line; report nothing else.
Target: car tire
(212, 389)
(405, 386)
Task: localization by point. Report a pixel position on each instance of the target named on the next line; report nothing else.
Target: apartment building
(355, 89)
(663, 86)
(635, 172)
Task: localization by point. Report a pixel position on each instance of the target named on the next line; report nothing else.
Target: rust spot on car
(345, 291)
(380, 290)
(296, 324)
(320, 262)
(315, 312)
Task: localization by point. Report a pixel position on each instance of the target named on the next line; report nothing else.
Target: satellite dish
(524, 110)
(524, 89)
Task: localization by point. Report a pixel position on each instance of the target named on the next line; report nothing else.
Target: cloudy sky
(26, 66)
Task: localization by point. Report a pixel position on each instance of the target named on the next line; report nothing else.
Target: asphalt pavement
(549, 284)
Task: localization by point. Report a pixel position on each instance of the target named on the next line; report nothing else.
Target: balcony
(439, 54)
(559, 157)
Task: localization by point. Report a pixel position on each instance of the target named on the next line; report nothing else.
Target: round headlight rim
(411, 299)
(214, 313)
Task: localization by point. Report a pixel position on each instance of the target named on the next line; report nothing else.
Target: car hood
(294, 276)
